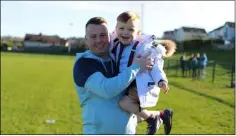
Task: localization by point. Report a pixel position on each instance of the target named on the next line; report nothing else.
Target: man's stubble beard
(104, 54)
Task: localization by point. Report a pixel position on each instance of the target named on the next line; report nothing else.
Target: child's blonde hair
(128, 16)
(169, 45)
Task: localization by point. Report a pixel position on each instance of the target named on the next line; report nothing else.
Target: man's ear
(86, 40)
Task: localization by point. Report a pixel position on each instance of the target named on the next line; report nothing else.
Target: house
(14, 40)
(168, 35)
(32, 40)
(189, 33)
(186, 33)
(74, 42)
(225, 32)
(71, 41)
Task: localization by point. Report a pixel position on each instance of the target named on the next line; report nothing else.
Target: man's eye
(121, 28)
(131, 29)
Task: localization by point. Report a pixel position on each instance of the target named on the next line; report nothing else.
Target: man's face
(127, 32)
(97, 39)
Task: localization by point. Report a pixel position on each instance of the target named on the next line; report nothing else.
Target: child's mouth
(124, 37)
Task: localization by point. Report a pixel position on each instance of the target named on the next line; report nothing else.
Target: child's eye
(131, 30)
(121, 28)
(103, 35)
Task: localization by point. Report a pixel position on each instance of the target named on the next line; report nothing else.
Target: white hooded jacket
(148, 91)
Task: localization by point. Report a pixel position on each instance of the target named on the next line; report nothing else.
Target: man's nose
(98, 39)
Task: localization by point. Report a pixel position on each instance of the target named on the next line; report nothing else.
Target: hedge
(197, 44)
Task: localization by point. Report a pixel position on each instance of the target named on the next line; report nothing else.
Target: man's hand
(163, 85)
(144, 62)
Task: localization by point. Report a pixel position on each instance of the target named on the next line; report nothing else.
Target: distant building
(185, 33)
(168, 35)
(75, 42)
(70, 41)
(189, 33)
(224, 32)
(32, 40)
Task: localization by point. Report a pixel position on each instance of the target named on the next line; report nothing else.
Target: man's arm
(93, 80)
(110, 87)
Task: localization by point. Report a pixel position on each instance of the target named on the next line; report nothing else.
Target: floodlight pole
(142, 18)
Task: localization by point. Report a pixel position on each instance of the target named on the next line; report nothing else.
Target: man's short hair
(127, 16)
(96, 21)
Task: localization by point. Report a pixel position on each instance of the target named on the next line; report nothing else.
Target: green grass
(35, 88)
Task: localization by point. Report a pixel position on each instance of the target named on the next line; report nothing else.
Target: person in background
(183, 62)
(189, 64)
(198, 66)
(194, 66)
(203, 64)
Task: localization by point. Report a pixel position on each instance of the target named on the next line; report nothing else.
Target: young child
(128, 42)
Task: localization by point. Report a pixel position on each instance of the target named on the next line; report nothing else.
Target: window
(226, 33)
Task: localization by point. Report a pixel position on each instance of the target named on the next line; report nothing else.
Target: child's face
(127, 32)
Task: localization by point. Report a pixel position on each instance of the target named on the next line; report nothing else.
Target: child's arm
(157, 72)
(159, 75)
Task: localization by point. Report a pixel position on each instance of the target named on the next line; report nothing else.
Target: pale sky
(68, 18)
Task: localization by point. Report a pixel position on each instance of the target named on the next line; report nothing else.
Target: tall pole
(142, 18)
(70, 41)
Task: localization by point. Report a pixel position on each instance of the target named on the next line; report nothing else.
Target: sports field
(35, 88)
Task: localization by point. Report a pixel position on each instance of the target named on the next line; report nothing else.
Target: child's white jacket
(148, 91)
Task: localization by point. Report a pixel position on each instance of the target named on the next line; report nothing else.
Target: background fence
(219, 73)
(222, 74)
(58, 50)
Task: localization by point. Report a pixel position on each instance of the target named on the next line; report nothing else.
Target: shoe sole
(168, 121)
(153, 132)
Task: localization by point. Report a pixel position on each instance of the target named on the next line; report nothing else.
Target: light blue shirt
(99, 94)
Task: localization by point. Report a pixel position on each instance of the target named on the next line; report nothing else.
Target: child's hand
(163, 85)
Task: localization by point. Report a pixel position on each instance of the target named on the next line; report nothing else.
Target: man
(98, 85)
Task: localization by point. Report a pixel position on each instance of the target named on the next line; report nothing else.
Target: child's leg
(156, 118)
(130, 103)
(154, 113)
(140, 119)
